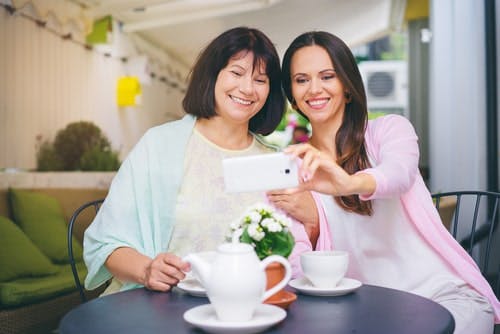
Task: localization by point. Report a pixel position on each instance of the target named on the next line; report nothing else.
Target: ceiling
(183, 27)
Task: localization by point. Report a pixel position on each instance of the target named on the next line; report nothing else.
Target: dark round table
(370, 309)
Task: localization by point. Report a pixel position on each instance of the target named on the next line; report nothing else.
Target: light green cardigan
(139, 211)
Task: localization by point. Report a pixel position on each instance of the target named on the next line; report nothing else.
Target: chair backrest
(474, 224)
(93, 207)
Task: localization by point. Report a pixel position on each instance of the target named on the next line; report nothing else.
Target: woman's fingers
(165, 271)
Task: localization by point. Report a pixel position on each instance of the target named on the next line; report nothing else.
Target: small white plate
(193, 287)
(205, 318)
(345, 286)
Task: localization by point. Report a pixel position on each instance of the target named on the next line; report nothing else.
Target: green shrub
(97, 159)
(47, 158)
(79, 146)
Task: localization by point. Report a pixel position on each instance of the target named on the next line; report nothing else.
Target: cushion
(41, 218)
(26, 291)
(19, 257)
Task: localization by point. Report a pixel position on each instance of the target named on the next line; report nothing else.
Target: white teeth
(238, 100)
(317, 102)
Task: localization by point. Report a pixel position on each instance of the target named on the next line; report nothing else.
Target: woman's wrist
(362, 184)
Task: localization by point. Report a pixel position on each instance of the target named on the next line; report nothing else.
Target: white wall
(457, 112)
(47, 82)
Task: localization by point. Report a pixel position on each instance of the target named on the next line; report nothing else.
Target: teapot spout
(199, 266)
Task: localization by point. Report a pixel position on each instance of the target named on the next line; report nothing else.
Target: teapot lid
(235, 247)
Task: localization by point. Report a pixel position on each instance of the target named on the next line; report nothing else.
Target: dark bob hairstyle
(200, 97)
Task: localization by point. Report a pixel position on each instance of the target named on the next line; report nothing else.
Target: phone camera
(287, 171)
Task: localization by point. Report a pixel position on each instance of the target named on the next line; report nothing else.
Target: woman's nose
(315, 86)
(246, 85)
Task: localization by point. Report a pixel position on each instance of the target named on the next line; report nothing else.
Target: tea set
(234, 280)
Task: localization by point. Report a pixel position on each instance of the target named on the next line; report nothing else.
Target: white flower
(274, 226)
(266, 221)
(254, 217)
(284, 220)
(235, 225)
(256, 232)
(263, 207)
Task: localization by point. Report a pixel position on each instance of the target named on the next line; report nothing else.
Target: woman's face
(241, 90)
(317, 91)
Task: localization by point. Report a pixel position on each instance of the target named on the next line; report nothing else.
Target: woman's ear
(348, 97)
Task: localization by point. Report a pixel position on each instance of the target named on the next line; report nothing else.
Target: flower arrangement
(267, 230)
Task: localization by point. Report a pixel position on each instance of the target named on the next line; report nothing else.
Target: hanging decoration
(97, 41)
(101, 31)
(128, 91)
(138, 66)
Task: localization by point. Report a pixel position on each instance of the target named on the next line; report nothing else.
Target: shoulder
(187, 122)
(389, 126)
(389, 121)
(164, 137)
(263, 145)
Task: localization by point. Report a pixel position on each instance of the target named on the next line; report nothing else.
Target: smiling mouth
(240, 101)
(317, 102)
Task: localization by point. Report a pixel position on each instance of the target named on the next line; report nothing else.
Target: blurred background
(114, 68)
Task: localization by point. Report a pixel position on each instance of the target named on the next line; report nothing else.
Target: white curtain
(457, 112)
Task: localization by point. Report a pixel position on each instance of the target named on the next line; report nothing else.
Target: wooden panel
(48, 82)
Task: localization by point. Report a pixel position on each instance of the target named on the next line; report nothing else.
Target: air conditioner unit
(386, 85)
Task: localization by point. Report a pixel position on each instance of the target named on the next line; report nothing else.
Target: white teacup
(325, 269)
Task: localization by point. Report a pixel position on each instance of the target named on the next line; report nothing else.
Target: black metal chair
(84, 208)
(474, 224)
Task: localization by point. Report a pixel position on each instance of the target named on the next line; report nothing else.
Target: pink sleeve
(325, 237)
(393, 144)
(302, 242)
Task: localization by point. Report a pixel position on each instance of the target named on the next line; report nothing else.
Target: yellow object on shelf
(128, 89)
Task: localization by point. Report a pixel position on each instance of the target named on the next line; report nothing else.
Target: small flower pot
(283, 298)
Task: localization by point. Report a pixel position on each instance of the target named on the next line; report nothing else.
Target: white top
(204, 210)
(385, 249)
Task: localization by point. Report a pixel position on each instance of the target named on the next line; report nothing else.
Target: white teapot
(235, 280)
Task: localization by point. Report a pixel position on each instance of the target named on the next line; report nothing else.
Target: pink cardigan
(400, 177)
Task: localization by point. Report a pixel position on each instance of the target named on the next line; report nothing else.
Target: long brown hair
(350, 138)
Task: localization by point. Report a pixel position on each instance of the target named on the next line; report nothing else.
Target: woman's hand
(164, 272)
(160, 274)
(320, 172)
(300, 206)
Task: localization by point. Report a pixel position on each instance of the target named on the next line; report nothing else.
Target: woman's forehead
(247, 57)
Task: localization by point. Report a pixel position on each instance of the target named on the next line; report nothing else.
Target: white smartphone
(260, 172)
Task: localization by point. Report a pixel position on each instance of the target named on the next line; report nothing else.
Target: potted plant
(268, 231)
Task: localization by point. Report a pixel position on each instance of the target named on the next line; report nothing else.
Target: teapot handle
(288, 274)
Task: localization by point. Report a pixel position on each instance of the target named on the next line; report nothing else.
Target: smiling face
(315, 87)
(241, 90)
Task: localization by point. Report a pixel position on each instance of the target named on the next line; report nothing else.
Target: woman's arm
(391, 141)
(160, 273)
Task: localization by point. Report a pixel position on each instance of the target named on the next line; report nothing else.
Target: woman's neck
(224, 134)
(323, 137)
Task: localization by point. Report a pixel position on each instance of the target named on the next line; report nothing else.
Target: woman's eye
(238, 74)
(261, 80)
(300, 80)
(328, 77)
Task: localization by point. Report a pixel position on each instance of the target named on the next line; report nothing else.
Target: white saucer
(204, 317)
(193, 287)
(345, 286)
